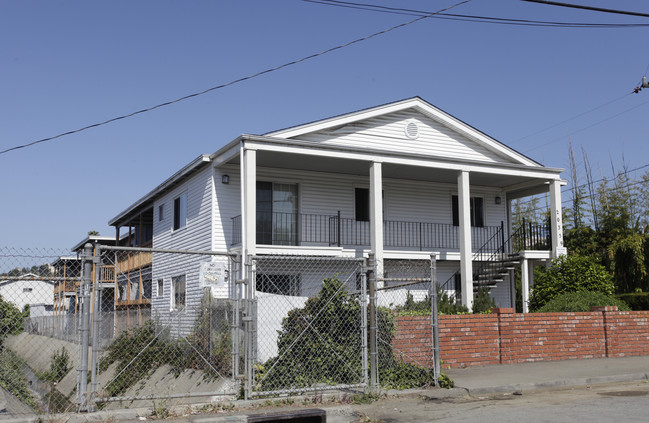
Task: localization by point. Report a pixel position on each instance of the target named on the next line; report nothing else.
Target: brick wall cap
(603, 308)
(503, 310)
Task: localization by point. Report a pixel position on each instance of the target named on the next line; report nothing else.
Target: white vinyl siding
(197, 235)
(387, 133)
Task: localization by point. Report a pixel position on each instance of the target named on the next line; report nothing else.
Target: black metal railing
(335, 230)
(529, 236)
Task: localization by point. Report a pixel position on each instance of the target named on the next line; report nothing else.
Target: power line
(569, 119)
(595, 9)
(236, 81)
(587, 127)
(468, 18)
(626, 172)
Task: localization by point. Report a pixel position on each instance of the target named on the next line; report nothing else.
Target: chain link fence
(39, 329)
(112, 327)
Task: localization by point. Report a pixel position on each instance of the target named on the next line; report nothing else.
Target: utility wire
(570, 118)
(236, 81)
(468, 18)
(595, 9)
(587, 127)
(567, 189)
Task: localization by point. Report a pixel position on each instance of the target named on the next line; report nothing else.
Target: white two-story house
(402, 181)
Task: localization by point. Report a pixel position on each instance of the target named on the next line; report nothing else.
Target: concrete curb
(530, 386)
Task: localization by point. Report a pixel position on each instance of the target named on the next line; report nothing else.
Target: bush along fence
(505, 337)
(112, 327)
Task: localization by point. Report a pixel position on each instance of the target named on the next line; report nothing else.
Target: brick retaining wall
(507, 337)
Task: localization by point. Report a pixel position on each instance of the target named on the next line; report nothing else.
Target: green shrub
(482, 302)
(581, 301)
(445, 305)
(570, 274)
(636, 300)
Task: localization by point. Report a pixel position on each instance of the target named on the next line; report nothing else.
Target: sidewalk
(549, 374)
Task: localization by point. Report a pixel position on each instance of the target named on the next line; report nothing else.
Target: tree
(570, 274)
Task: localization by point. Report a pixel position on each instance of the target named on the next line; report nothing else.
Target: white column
(466, 254)
(525, 284)
(249, 201)
(556, 224)
(376, 217)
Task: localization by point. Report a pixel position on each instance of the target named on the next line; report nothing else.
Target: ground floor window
(279, 284)
(179, 292)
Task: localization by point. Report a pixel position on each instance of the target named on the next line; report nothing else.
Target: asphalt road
(625, 402)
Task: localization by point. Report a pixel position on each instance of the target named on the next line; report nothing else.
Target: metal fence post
(373, 329)
(96, 320)
(82, 381)
(249, 321)
(434, 317)
(363, 287)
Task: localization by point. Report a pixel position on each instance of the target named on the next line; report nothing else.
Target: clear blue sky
(68, 64)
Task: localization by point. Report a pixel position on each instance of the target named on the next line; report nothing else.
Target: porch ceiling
(285, 160)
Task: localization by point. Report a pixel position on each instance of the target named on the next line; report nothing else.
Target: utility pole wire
(236, 81)
(595, 9)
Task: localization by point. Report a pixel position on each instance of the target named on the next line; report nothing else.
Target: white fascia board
(320, 125)
(422, 106)
(226, 154)
(315, 149)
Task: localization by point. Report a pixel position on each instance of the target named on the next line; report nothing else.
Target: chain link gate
(311, 327)
(405, 290)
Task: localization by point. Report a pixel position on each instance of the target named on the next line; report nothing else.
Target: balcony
(334, 230)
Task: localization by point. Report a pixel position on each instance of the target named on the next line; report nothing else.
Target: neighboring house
(402, 181)
(29, 289)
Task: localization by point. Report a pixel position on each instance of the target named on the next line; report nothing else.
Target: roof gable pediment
(407, 126)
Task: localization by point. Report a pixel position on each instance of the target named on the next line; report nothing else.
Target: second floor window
(476, 211)
(180, 211)
(276, 213)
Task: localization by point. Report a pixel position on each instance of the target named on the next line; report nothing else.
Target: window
(161, 286)
(276, 213)
(362, 204)
(476, 211)
(180, 211)
(179, 292)
(279, 284)
(161, 212)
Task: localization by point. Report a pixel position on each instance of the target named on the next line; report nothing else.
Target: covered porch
(460, 224)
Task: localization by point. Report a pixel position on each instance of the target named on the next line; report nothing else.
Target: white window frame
(174, 303)
(160, 288)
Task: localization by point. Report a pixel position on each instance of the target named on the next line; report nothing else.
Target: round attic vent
(412, 130)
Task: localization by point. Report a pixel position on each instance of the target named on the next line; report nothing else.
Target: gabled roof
(419, 105)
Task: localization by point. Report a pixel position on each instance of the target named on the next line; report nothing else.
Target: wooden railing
(128, 261)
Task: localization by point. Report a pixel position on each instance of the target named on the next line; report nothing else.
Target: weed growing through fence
(59, 367)
(13, 380)
(141, 351)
